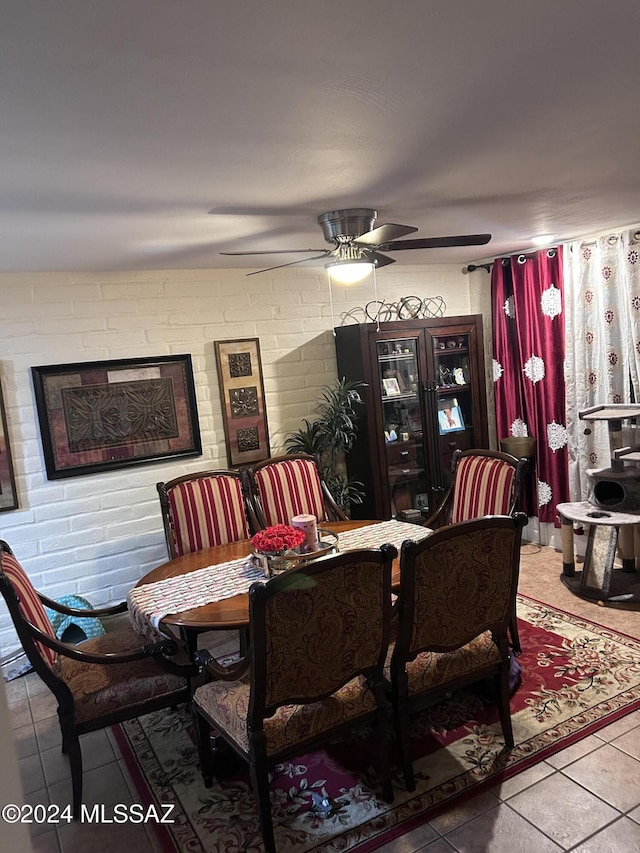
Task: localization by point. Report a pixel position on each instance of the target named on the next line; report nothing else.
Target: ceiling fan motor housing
(343, 225)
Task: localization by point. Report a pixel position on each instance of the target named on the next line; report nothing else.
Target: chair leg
(401, 719)
(203, 737)
(515, 637)
(74, 753)
(260, 783)
(244, 641)
(504, 706)
(383, 734)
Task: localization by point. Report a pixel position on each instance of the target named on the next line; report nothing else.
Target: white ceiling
(122, 123)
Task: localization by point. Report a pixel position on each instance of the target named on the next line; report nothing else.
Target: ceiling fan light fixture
(349, 272)
(543, 239)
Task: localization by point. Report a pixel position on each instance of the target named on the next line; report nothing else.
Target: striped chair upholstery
(31, 607)
(290, 487)
(483, 486)
(203, 510)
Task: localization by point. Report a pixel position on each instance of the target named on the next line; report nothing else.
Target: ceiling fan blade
(437, 242)
(384, 234)
(280, 266)
(379, 259)
(278, 252)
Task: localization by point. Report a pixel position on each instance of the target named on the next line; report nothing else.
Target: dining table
(208, 590)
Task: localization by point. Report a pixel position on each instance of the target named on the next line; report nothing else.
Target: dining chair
(202, 510)
(285, 486)
(318, 640)
(484, 482)
(457, 593)
(105, 680)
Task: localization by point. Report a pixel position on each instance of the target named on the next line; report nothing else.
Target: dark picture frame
(8, 492)
(101, 415)
(244, 413)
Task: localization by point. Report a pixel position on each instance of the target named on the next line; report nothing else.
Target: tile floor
(584, 799)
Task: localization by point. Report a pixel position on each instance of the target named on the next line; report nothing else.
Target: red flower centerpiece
(273, 545)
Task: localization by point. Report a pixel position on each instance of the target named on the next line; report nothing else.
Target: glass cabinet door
(455, 398)
(403, 425)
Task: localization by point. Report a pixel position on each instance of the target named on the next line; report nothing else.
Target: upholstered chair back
(289, 487)
(461, 581)
(484, 485)
(30, 606)
(203, 510)
(313, 635)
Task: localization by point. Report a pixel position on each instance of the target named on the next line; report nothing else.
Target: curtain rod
(522, 258)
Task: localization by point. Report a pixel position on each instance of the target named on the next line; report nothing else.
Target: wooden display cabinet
(425, 396)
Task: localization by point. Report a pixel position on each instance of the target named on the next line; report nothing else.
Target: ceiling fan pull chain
(375, 291)
(333, 322)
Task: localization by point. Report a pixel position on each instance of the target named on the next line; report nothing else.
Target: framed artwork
(8, 493)
(100, 415)
(391, 387)
(450, 416)
(242, 394)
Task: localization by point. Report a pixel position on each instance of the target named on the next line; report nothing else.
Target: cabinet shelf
(445, 390)
(405, 356)
(451, 351)
(392, 398)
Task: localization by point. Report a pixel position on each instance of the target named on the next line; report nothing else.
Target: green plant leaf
(331, 435)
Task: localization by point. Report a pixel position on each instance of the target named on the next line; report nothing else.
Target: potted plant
(330, 436)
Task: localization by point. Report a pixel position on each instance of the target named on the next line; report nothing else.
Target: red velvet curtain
(529, 346)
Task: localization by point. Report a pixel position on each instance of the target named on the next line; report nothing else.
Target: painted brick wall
(96, 535)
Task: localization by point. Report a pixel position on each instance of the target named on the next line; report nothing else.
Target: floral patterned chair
(484, 482)
(102, 681)
(457, 594)
(318, 640)
(202, 510)
(285, 486)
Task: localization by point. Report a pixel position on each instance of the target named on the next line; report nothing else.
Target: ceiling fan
(356, 241)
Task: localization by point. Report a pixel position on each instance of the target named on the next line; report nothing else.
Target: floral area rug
(577, 677)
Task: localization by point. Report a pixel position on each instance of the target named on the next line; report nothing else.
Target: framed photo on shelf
(450, 416)
(244, 413)
(391, 387)
(100, 415)
(421, 501)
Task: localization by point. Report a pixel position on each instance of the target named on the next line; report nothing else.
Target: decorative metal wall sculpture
(407, 308)
(101, 415)
(243, 409)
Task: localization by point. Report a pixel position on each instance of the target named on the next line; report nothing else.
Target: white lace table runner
(375, 535)
(149, 604)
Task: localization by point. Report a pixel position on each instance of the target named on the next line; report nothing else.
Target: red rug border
(370, 845)
(143, 788)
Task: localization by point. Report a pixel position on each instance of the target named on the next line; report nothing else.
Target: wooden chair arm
(205, 660)
(331, 505)
(442, 514)
(81, 612)
(162, 648)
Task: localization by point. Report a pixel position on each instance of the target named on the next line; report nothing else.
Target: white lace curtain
(602, 364)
